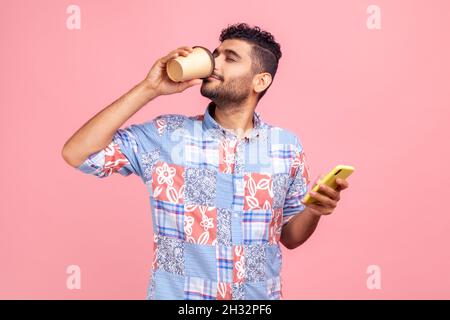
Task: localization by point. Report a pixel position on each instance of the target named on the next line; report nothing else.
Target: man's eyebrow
(228, 51)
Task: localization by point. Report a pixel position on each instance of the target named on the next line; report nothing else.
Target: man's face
(233, 68)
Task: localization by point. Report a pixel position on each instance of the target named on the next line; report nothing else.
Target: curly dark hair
(265, 50)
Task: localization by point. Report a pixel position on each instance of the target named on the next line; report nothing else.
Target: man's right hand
(158, 80)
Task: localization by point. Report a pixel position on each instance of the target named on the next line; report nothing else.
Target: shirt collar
(211, 125)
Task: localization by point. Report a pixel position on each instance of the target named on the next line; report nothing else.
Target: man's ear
(262, 81)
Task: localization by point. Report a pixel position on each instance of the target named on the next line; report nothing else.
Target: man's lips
(214, 77)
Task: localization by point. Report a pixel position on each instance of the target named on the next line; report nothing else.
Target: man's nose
(217, 71)
(217, 63)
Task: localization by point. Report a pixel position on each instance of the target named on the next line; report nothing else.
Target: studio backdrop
(362, 83)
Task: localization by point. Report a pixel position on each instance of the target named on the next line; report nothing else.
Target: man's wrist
(312, 213)
(149, 90)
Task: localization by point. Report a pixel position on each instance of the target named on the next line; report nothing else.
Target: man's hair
(265, 50)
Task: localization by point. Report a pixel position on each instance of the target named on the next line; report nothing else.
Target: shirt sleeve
(122, 154)
(299, 179)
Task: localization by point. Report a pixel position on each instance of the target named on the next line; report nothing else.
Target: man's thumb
(194, 82)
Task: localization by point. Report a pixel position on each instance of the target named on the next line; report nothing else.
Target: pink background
(375, 99)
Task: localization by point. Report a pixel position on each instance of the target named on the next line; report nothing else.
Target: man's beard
(231, 93)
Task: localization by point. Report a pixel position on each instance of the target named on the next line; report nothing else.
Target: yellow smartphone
(340, 171)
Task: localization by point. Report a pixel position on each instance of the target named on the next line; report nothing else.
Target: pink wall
(376, 99)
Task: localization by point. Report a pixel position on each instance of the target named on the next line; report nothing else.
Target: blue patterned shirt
(218, 204)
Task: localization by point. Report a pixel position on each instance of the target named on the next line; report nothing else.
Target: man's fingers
(168, 57)
(342, 184)
(328, 191)
(188, 48)
(324, 200)
(181, 51)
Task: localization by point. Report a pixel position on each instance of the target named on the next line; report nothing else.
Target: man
(225, 187)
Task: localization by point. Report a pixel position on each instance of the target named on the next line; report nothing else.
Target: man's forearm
(98, 132)
(299, 229)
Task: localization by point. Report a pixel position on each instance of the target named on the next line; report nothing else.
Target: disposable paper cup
(198, 64)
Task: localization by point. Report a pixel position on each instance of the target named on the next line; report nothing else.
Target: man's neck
(239, 119)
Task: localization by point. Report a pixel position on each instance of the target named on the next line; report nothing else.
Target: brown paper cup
(197, 65)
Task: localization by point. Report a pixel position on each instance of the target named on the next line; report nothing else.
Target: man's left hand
(326, 198)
